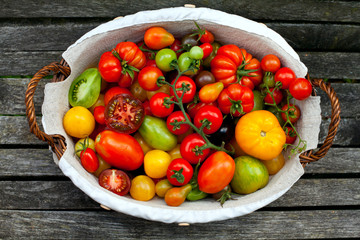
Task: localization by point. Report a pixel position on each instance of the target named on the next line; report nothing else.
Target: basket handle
(53, 140)
(309, 156)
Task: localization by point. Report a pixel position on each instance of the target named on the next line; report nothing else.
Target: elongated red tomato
(89, 160)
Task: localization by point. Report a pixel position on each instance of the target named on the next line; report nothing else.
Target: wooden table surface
(38, 202)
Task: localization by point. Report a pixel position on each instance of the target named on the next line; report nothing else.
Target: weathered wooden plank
(340, 11)
(258, 225)
(347, 133)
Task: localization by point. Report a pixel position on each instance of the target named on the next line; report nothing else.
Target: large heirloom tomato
(260, 135)
(119, 150)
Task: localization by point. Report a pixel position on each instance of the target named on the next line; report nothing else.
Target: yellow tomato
(274, 165)
(260, 135)
(156, 163)
(79, 122)
(84, 143)
(175, 152)
(142, 188)
(144, 146)
(162, 187)
(102, 166)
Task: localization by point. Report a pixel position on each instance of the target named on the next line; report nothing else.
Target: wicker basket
(58, 144)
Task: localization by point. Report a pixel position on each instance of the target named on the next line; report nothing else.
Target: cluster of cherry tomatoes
(158, 117)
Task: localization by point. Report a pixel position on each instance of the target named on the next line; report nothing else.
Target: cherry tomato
(293, 111)
(102, 166)
(110, 67)
(189, 94)
(158, 38)
(173, 120)
(216, 172)
(176, 47)
(124, 113)
(99, 102)
(196, 53)
(78, 122)
(213, 116)
(162, 186)
(159, 105)
(274, 165)
(164, 88)
(138, 92)
(176, 196)
(115, 181)
(210, 92)
(89, 160)
(146, 105)
(290, 135)
(189, 148)
(193, 108)
(225, 133)
(109, 94)
(203, 78)
(255, 74)
(286, 76)
(99, 114)
(270, 63)
(277, 94)
(246, 82)
(175, 152)
(207, 49)
(163, 59)
(300, 89)
(185, 61)
(156, 163)
(148, 77)
(179, 172)
(83, 144)
(144, 146)
(142, 188)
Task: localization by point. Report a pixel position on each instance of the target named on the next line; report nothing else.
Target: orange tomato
(158, 38)
(260, 135)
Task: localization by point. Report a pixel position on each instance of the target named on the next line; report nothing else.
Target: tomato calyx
(83, 146)
(236, 107)
(225, 196)
(152, 52)
(126, 68)
(178, 175)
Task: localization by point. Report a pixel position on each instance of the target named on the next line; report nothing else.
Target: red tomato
(207, 37)
(151, 63)
(213, 116)
(179, 172)
(216, 172)
(245, 81)
(189, 148)
(300, 89)
(290, 135)
(89, 160)
(255, 74)
(294, 113)
(159, 106)
(126, 80)
(286, 76)
(110, 67)
(176, 47)
(119, 150)
(193, 108)
(189, 93)
(210, 92)
(115, 181)
(99, 114)
(158, 38)
(207, 49)
(174, 118)
(277, 94)
(146, 105)
(109, 94)
(124, 113)
(270, 63)
(236, 100)
(148, 77)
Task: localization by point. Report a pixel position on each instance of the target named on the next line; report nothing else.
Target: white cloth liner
(256, 38)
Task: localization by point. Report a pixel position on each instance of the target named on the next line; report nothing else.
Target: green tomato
(258, 101)
(250, 175)
(185, 61)
(269, 80)
(156, 134)
(85, 89)
(84, 143)
(163, 59)
(196, 53)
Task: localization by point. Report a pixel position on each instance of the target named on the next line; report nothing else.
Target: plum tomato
(144, 146)
(102, 166)
(189, 148)
(99, 114)
(124, 113)
(173, 123)
(286, 76)
(115, 180)
(176, 196)
(160, 105)
(179, 172)
(211, 116)
(293, 112)
(270, 63)
(175, 152)
(110, 93)
(79, 122)
(89, 160)
(148, 77)
(190, 88)
(300, 89)
(142, 188)
(210, 92)
(158, 37)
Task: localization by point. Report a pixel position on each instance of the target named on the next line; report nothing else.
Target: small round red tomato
(286, 76)
(115, 181)
(176, 47)
(293, 111)
(207, 49)
(246, 82)
(190, 88)
(277, 94)
(99, 114)
(124, 113)
(290, 135)
(207, 37)
(148, 77)
(270, 63)
(147, 109)
(193, 108)
(109, 94)
(110, 67)
(179, 172)
(159, 105)
(216, 172)
(173, 120)
(158, 38)
(300, 89)
(89, 160)
(189, 148)
(211, 116)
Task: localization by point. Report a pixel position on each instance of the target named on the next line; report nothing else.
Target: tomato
(274, 165)
(188, 41)
(211, 116)
(277, 114)
(144, 146)
(119, 150)
(196, 53)
(203, 78)
(164, 58)
(83, 144)
(110, 67)
(207, 37)
(85, 89)
(102, 166)
(142, 188)
(258, 101)
(250, 175)
(207, 49)
(160, 106)
(185, 62)
(175, 152)
(260, 135)
(189, 148)
(216, 172)
(158, 38)
(270, 63)
(286, 76)
(193, 108)
(207, 61)
(162, 187)
(146, 105)
(300, 89)
(173, 120)
(225, 133)
(210, 92)
(99, 114)
(115, 181)
(246, 82)
(290, 135)
(156, 163)
(109, 94)
(164, 88)
(99, 102)
(156, 134)
(268, 80)
(149, 53)
(254, 72)
(138, 92)
(176, 196)
(189, 94)
(176, 47)
(276, 93)
(293, 111)
(148, 77)
(131, 54)
(124, 113)
(89, 160)
(236, 100)
(78, 122)
(179, 172)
